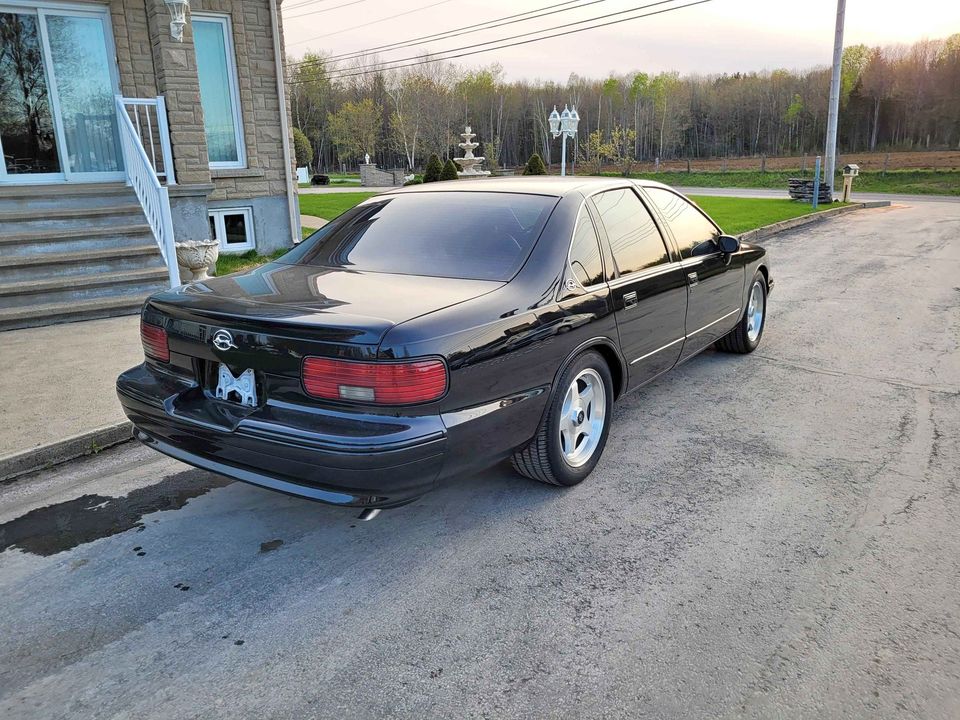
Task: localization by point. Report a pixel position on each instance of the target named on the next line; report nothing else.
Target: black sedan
(436, 330)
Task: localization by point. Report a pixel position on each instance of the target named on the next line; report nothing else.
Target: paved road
(766, 536)
(856, 196)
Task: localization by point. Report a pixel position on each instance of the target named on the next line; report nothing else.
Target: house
(126, 125)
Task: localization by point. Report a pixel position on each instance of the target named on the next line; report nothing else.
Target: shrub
(413, 181)
(431, 173)
(302, 148)
(535, 166)
(449, 171)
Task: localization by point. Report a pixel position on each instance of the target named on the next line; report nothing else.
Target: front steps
(74, 252)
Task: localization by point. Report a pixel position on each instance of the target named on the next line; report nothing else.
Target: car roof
(533, 185)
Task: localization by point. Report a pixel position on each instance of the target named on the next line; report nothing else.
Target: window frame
(614, 273)
(573, 236)
(233, 82)
(666, 224)
(219, 224)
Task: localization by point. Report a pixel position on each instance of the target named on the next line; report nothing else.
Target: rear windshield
(475, 235)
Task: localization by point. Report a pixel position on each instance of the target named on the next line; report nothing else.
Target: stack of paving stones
(801, 189)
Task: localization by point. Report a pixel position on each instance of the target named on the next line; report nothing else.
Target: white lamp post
(565, 124)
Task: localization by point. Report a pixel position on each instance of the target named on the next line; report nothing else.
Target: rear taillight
(154, 341)
(380, 383)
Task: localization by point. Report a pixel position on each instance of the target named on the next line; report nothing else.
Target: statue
(468, 161)
(366, 158)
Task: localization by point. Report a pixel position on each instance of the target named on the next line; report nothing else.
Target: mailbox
(849, 173)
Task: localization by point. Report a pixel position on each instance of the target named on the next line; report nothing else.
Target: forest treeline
(897, 97)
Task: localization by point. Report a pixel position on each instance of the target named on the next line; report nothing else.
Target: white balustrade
(142, 176)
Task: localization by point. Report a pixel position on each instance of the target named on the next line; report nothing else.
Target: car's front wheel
(573, 433)
(745, 337)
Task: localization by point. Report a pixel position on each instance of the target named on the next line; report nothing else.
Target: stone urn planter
(195, 258)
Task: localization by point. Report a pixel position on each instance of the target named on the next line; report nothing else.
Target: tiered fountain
(468, 162)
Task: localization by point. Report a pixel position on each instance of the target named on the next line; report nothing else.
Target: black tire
(543, 459)
(738, 340)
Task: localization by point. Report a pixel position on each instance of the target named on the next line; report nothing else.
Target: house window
(217, 71)
(233, 229)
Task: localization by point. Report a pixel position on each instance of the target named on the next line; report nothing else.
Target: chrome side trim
(722, 317)
(654, 352)
(685, 337)
(643, 274)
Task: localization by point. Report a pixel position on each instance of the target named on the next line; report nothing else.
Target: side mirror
(728, 244)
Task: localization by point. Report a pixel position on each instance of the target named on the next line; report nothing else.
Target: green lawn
(339, 179)
(737, 215)
(329, 205)
(227, 264)
(915, 182)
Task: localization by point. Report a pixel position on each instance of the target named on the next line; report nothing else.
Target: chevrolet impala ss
(436, 330)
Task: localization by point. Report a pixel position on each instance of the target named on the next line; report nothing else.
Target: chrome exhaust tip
(368, 514)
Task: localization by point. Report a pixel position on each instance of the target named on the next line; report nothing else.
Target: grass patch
(738, 215)
(232, 263)
(329, 205)
(913, 182)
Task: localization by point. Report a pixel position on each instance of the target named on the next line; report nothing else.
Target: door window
(85, 94)
(219, 98)
(634, 238)
(694, 233)
(57, 88)
(26, 118)
(585, 252)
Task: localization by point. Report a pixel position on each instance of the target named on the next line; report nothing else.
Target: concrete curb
(768, 230)
(38, 458)
(14, 465)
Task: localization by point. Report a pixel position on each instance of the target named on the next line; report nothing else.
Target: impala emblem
(223, 340)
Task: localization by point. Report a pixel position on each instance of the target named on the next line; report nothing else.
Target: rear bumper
(338, 458)
(342, 458)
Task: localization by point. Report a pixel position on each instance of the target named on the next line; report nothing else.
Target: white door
(58, 80)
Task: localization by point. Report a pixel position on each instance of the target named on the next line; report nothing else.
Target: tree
(597, 151)
(855, 58)
(355, 127)
(302, 148)
(449, 171)
(621, 148)
(535, 166)
(433, 170)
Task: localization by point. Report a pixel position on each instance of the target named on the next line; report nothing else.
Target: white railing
(149, 118)
(154, 198)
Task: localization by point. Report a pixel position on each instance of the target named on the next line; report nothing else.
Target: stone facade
(151, 63)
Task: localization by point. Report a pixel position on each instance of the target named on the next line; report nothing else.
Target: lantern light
(554, 121)
(178, 17)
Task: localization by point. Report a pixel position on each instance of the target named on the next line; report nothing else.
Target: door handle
(629, 300)
(692, 279)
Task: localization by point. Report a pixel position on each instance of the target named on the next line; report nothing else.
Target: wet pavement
(766, 536)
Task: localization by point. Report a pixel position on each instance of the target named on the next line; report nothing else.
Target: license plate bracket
(240, 388)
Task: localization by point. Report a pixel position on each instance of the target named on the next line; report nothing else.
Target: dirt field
(932, 160)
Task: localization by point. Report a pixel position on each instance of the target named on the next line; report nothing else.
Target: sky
(715, 37)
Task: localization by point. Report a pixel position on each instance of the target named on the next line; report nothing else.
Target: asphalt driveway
(769, 535)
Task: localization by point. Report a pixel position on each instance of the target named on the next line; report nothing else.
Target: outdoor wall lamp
(565, 124)
(178, 17)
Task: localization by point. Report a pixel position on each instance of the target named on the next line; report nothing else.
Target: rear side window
(634, 238)
(474, 235)
(694, 233)
(585, 252)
